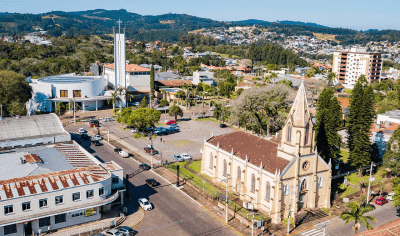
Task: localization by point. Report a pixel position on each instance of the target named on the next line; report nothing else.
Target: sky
(354, 14)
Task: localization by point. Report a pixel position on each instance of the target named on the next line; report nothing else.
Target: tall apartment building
(49, 182)
(349, 65)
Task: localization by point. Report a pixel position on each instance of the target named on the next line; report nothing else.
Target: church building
(275, 175)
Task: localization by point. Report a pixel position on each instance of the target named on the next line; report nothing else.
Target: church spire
(299, 113)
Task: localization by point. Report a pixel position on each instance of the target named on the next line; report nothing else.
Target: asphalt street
(174, 213)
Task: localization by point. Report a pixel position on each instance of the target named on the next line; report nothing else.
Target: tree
(356, 214)
(359, 121)
(175, 111)
(331, 77)
(143, 103)
(396, 190)
(329, 122)
(260, 109)
(181, 94)
(152, 81)
(140, 118)
(164, 103)
(391, 159)
(115, 98)
(14, 93)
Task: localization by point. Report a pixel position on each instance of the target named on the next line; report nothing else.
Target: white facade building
(52, 186)
(349, 65)
(203, 77)
(388, 117)
(119, 60)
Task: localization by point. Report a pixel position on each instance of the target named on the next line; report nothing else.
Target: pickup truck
(148, 150)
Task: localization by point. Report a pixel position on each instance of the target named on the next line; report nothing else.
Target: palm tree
(273, 76)
(356, 214)
(114, 99)
(129, 97)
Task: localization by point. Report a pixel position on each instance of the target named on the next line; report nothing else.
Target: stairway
(307, 215)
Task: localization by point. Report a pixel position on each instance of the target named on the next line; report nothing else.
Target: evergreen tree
(391, 159)
(152, 81)
(143, 103)
(359, 121)
(329, 121)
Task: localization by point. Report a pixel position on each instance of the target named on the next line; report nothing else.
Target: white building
(87, 91)
(203, 77)
(388, 117)
(349, 65)
(119, 60)
(51, 186)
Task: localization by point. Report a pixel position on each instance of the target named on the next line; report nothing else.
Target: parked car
(186, 156)
(381, 201)
(117, 150)
(172, 130)
(223, 126)
(177, 157)
(151, 182)
(94, 123)
(148, 150)
(108, 119)
(112, 232)
(81, 130)
(161, 133)
(123, 154)
(150, 128)
(160, 130)
(127, 231)
(97, 137)
(144, 167)
(212, 108)
(390, 196)
(134, 130)
(96, 143)
(175, 125)
(170, 122)
(197, 98)
(97, 234)
(85, 135)
(145, 204)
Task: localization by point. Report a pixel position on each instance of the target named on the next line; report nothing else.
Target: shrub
(164, 103)
(136, 135)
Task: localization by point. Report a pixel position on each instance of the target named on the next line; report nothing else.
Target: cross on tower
(119, 25)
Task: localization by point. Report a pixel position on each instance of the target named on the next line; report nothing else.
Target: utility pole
(203, 190)
(369, 181)
(1, 105)
(177, 176)
(74, 112)
(226, 202)
(290, 207)
(108, 136)
(252, 223)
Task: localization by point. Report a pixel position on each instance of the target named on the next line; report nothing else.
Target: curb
(142, 212)
(307, 228)
(223, 221)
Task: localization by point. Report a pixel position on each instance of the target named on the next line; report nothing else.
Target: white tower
(119, 57)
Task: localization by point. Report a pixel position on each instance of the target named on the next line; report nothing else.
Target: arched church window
(268, 192)
(289, 133)
(303, 185)
(306, 134)
(225, 167)
(211, 160)
(239, 173)
(320, 179)
(253, 183)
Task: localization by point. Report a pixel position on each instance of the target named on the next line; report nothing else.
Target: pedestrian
(160, 140)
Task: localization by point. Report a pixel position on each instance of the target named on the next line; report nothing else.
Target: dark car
(148, 150)
(172, 130)
(161, 133)
(85, 135)
(96, 143)
(223, 126)
(144, 167)
(126, 230)
(151, 182)
(94, 123)
(117, 150)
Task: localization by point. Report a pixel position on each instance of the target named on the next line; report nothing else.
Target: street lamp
(151, 147)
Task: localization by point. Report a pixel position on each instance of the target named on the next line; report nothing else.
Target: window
(320, 182)
(10, 229)
(89, 193)
(44, 222)
(115, 180)
(101, 191)
(77, 213)
(303, 185)
(268, 192)
(289, 133)
(253, 183)
(90, 211)
(286, 189)
(76, 196)
(64, 93)
(77, 93)
(211, 161)
(43, 202)
(8, 209)
(60, 218)
(59, 200)
(26, 206)
(225, 167)
(239, 173)
(306, 134)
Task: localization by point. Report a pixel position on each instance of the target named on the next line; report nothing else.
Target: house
(275, 174)
(203, 77)
(243, 86)
(51, 186)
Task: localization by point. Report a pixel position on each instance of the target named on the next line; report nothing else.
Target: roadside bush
(136, 135)
(164, 103)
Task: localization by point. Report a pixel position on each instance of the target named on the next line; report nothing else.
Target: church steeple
(299, 114)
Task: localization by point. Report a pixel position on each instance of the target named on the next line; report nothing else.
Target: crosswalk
(314, 232)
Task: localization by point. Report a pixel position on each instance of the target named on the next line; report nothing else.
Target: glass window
(44, 222)
(239, 173)
(64, 93)
(76, 196)
(320, 184)
(303, 185)
(43, 202)
(268, 192)
(306, 134)
(89, 193)
(77, 213)
(115, 180)
(26, 206)
(59, 200)
(60, 218)
(225, 168)
(101, 191)
(10, 229)
(77, 93)
(289, 133)
(253, 183)
(8, 209)
(211, 161)
(286, 189)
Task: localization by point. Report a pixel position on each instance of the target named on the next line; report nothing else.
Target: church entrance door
(302, 200)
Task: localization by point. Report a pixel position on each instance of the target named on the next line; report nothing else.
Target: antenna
(119, 25)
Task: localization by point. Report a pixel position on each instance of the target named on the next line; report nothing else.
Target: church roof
(256, 149)
(299, 114)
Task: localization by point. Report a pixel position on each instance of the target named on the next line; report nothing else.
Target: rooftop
(392, 114)
(129, 67)
(257, 150)
(174, 83)
(68, 79)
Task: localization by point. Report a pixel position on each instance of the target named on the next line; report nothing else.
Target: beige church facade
(277, 174)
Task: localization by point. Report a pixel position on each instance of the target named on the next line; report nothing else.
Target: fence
(353, 171)
(84, 230)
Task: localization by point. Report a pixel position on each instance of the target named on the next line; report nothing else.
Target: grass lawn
(159, 124)
(344, 155)
(354, 179)
(349, 190)
(182, 142)
(348, 91)
(195, 166)
(207, 119)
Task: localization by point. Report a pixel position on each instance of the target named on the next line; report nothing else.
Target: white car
(145, 204)
(108, 119)
(97, 137)
(123, 154)
(134, 130)
(113, 232)
(390, 196)
(81, 130)
(186, 156)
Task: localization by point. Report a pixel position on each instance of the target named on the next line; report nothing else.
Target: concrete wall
(44, 140)
(139, 82)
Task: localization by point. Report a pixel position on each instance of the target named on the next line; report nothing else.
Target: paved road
(335, 227)
(174, 213)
